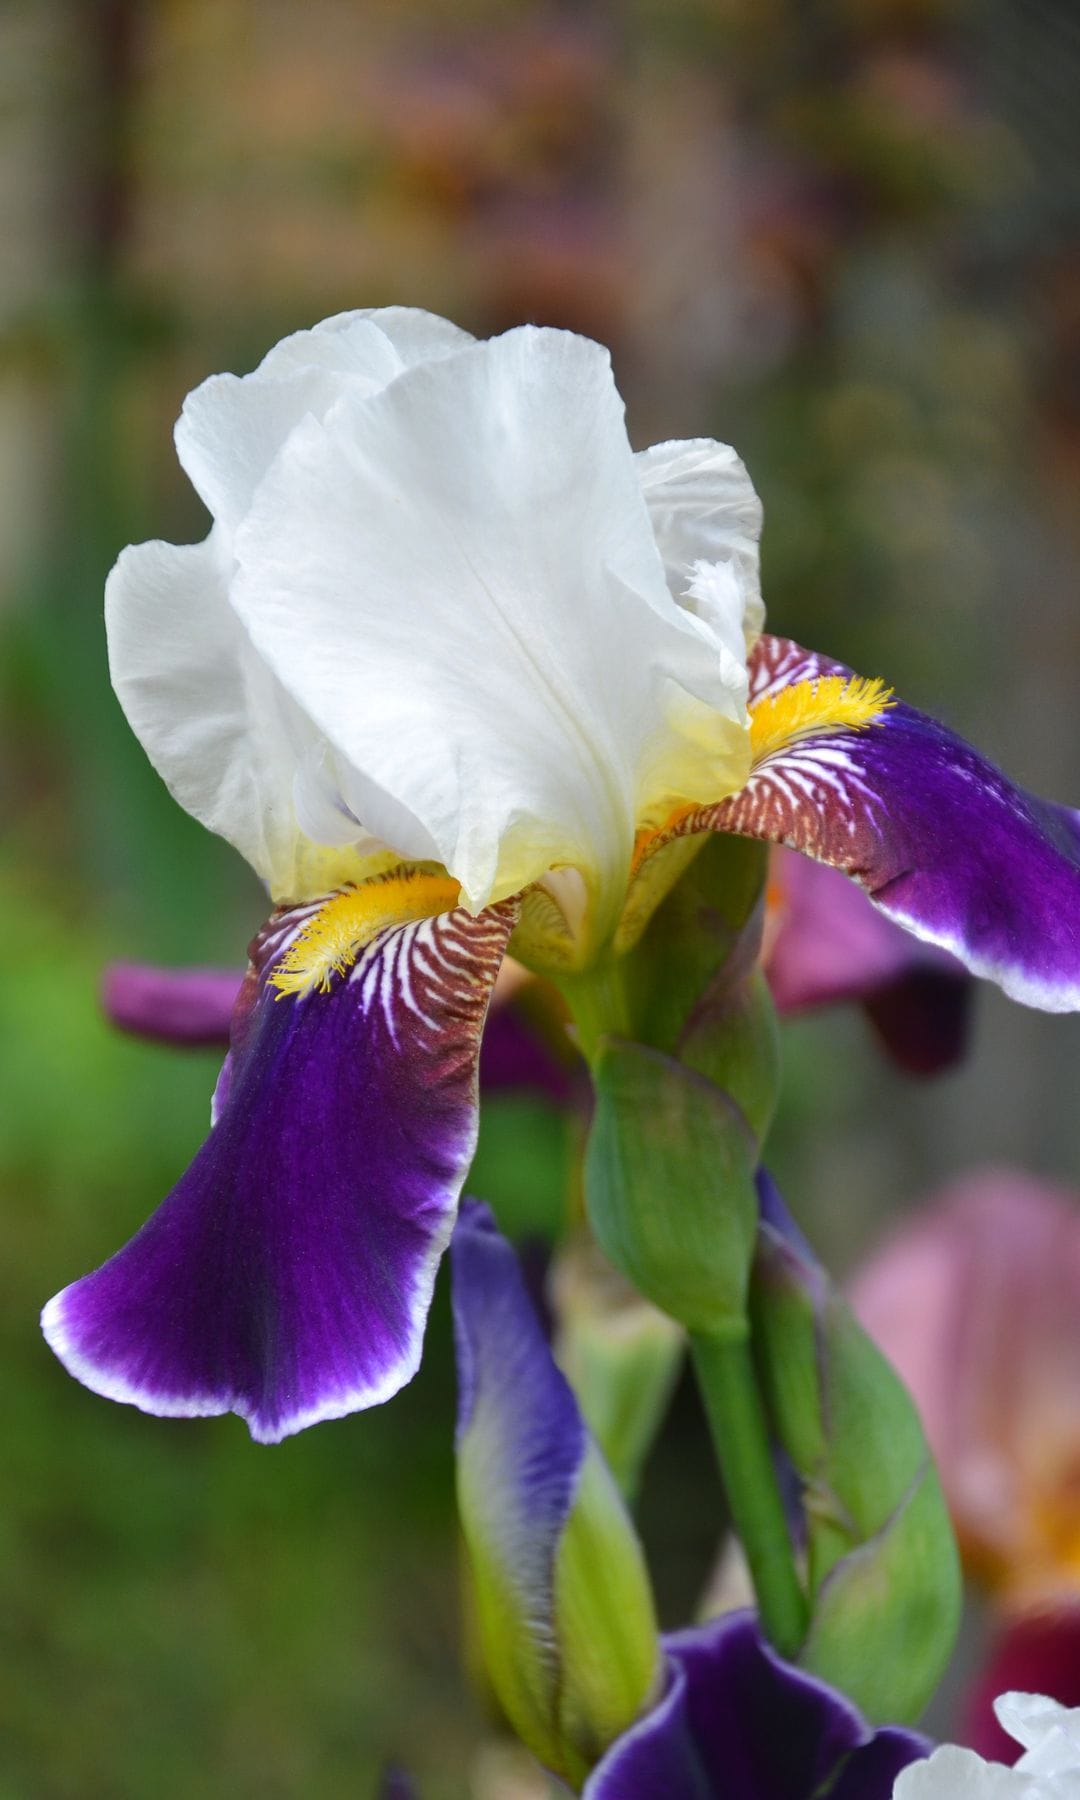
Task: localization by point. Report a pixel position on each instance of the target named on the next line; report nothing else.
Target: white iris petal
(212, 718)
(231, 427)
(1032, 1720)
(716, 595)
(704, 510)
(321, 810)
(442, 599)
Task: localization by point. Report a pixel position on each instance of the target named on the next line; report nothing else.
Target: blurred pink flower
(977, 1303)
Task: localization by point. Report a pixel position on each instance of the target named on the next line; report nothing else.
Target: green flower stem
(725, 1373)
(600, 1004)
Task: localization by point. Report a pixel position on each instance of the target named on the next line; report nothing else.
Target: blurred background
(843, 235)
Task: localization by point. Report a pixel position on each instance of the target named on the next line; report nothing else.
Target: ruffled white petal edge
(954, 1774)
(211, 718)
(704, 509)
(1049, 1732)
(232, 426)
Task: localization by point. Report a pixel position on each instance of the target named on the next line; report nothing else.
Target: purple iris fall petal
(287, 1277)
(941, 841)
(737, 1723)
(832, 945)
(172, 1006)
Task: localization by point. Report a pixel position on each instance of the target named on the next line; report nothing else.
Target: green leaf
(885, 1618)
(706, 933)
(669, 1186)
(882, 1564)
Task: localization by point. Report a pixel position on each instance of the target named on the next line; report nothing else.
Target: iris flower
(457, 671)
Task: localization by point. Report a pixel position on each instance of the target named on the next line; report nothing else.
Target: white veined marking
(783, 664)
(424, 969)
(804, 775)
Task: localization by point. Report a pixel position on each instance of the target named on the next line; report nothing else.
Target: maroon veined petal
(942, 842)
(288, 1275)
(194, 1008)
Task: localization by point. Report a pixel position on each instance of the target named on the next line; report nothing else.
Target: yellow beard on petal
(332, 939)
(664, 847)
(807, 708)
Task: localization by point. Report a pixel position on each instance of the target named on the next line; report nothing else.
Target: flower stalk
(682, 1043)
(740, 1434)
(601, 1005)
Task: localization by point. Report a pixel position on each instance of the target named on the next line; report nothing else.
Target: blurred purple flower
(826, 943)
(396, 1784)
(172, 1006)
(737, 1723)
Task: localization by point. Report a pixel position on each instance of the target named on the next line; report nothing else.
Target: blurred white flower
(1048, 1770)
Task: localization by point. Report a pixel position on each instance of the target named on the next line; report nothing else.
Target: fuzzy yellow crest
(822, 704)
(332, 939)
